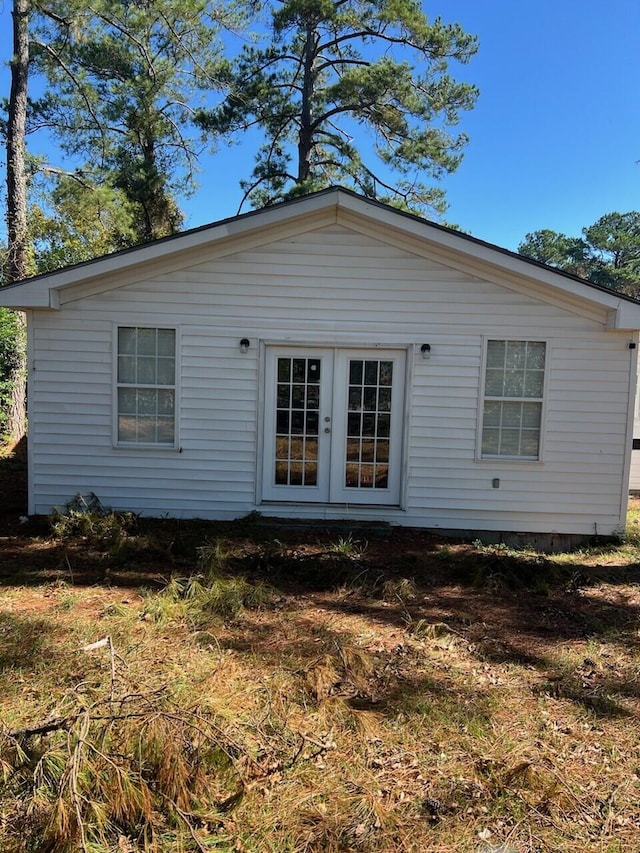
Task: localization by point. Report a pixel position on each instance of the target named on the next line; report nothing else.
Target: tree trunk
(17, 248)
(17, 261)
(305, 137)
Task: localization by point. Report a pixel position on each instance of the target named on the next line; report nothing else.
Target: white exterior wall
(634, 474)
(332, 286)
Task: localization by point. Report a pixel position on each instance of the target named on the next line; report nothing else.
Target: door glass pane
(367, 452)
(297, 422)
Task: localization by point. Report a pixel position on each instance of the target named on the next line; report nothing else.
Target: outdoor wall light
(244, 345)
(425, 349)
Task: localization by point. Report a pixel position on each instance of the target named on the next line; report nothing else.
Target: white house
(332, 358)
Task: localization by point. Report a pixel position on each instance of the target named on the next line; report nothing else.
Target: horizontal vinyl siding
(335, 287)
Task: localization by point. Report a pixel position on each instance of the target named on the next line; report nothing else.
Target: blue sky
(555, 134)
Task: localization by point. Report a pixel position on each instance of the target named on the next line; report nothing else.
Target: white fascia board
(43, 292)
(26, 295)
(621, 313)
(624, 317)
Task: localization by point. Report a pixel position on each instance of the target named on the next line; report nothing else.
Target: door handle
(327, 429)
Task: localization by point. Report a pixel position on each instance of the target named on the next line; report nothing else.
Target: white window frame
(139, 445)
(525, 460)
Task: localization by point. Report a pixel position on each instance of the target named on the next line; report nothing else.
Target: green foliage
(203, 601)
(608, 253)
(348, 546)
(335, 69)
(78, 222)
(12, 345)
(124, 79)
(100, 530)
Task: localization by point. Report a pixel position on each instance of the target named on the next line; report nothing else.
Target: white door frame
(332, 431)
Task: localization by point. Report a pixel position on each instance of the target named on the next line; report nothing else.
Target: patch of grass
(447, 697)
(348, 546)
(402, 590)
(201, 599)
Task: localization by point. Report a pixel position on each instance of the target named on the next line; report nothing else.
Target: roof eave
(43, 291)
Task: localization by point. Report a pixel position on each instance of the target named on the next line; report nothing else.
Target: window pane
(495, 354)
(126, 341)
(284, 396)
(127, 401)
(370, 400)
(146, 341)
(147, 402)
(126, 369)
(516, 355)
(490, 441)
(311, 474)
(371, 373)
(369, 425)
(282, 447)
(492, 413)
(494, 386)
(299, 371)
(313, 371)
(166, 429)
(530, 442)
(382, 476)
(366, 476)
(353, 450)
(533, 383)
(355, 399)
(386, 373)
(297, 397)
(510, 442)
(536, 355)
(355, 373)
(351, 473)
(368, 451)
(353, 425)
(147, 429)
(382, 450)
(313, 396)
(166, 371)
(384, 426)
(284, 370)
(531, 414)
(167, 342)
(146, 370)
(513, 383)
(511, 414)
(282, 423)
(126, 428)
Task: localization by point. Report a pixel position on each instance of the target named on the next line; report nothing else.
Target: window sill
(162, 448)
(491, 460)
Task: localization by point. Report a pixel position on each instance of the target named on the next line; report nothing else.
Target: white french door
(333, 425)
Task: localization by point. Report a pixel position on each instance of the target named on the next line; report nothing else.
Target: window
(146, 386)
(513, 389)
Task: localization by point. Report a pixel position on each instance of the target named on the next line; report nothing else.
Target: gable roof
(323, 207)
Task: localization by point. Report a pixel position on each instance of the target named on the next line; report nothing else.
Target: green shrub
(11, 349)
